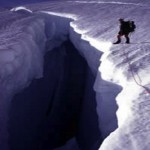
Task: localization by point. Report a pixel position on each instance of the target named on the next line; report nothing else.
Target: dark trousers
(126, 36)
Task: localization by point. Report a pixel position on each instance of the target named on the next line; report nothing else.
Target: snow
(20, 8)
(92, 27)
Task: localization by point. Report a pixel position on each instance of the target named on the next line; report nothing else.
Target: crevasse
(39, 34)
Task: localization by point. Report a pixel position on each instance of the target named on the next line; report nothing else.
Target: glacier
(117, 76)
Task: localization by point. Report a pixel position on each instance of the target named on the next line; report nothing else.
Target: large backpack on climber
(132, 26)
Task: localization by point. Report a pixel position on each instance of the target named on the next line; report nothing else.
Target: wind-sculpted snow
(21, 8)
(109, 2)
(123, 68)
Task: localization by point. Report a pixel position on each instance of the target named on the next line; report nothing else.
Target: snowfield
(122, 81)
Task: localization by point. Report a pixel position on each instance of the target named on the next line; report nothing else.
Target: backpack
(132, 26)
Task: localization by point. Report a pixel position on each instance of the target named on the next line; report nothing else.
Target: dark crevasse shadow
(88, 136)
(57, 107)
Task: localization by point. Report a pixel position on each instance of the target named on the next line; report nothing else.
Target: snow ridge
(112, 2)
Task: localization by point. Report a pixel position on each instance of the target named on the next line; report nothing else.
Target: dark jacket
(124, 28)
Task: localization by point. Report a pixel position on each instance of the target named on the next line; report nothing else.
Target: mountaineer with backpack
(126, 27)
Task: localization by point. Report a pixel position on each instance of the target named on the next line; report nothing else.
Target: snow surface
(92, 28)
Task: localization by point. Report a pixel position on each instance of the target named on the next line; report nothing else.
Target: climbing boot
(117, 42)
(127, 40)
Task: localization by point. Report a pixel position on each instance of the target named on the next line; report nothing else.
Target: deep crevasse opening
(52, 109)
(69, 82)
(56, 36)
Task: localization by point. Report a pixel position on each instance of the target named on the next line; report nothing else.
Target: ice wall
(18, 65)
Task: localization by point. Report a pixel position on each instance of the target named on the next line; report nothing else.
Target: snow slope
(122, 66)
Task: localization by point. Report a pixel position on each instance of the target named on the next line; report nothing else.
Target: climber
(125, 28)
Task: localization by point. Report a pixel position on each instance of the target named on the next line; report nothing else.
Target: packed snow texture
(93, 27)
